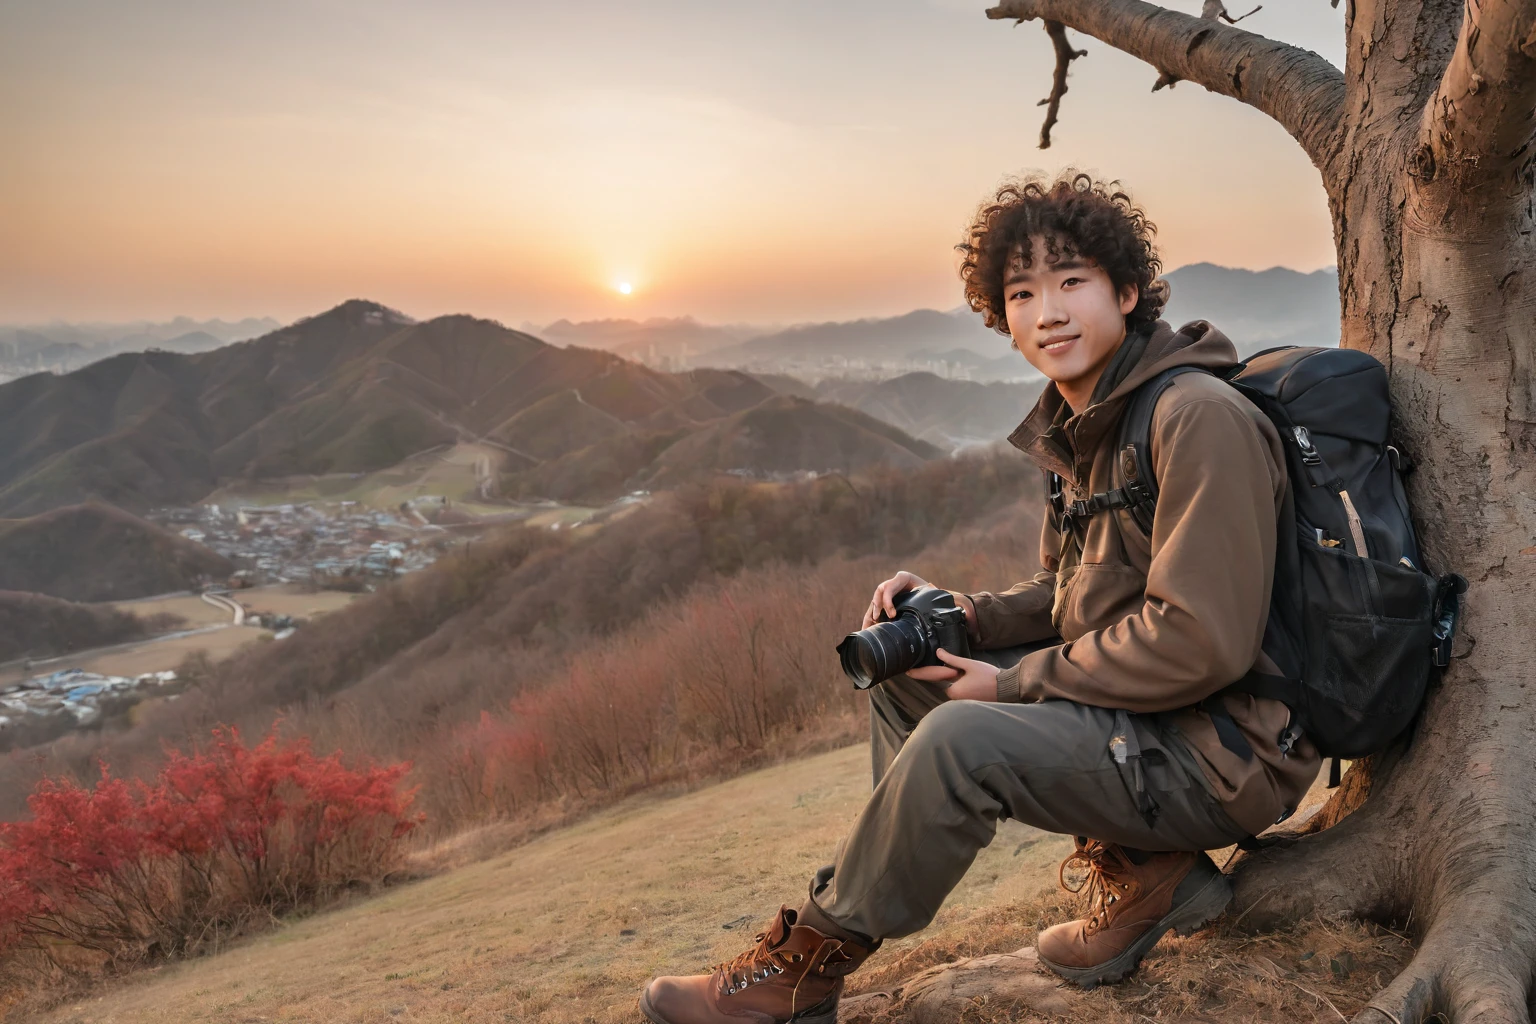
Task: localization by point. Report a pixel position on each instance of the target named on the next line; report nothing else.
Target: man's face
(1065, 318)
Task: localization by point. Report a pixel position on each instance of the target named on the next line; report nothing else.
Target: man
(1093, 707)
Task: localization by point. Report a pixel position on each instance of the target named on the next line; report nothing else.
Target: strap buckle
(1309, 454)
(1287, 741)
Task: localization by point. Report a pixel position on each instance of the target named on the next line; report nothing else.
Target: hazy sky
(793, 160)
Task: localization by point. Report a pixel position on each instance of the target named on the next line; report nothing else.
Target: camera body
(927, 621)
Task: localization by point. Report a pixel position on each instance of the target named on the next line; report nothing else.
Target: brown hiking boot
(793, 973)
(1130, 907)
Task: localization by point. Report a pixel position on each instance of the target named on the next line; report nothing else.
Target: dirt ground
(569, 926)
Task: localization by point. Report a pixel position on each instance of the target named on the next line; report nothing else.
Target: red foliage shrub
(130, 870)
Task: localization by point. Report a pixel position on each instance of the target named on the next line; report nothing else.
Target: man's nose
(1052, 311)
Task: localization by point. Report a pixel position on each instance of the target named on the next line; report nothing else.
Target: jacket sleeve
(1201, 623)
(1021, 614)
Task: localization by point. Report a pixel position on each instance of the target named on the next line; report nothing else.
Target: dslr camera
(927, 619)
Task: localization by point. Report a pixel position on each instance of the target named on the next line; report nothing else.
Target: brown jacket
(1159, 625)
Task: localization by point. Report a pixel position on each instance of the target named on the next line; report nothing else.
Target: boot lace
(1108, 883)
(759, 963)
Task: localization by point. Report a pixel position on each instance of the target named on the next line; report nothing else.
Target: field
(567, 927)
(205, 628)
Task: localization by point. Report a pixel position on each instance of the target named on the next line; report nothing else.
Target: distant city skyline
(531, 162)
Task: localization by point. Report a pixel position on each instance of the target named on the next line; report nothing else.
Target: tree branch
(1065, 55)
(1478, 126)
(1210, 11)
(1296, 87)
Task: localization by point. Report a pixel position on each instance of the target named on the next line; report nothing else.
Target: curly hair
(1076, 217)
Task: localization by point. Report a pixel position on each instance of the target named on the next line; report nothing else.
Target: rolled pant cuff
(811, 914)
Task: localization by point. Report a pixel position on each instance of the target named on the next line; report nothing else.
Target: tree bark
(1425, 148)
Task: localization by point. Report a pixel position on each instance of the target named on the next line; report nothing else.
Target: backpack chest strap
(1129, 496)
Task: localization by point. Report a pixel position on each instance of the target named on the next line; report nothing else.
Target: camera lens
(883, 650)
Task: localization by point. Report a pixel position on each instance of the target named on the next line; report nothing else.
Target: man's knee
(952, 730)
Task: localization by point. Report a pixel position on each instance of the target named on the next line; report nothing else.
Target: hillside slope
(571, 925)
(568, 927)
(94, 552)
(38, 626)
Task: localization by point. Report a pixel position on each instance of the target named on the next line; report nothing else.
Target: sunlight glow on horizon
(171, 159)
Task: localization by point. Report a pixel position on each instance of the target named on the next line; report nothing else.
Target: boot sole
(815, 1015)
(1189, 917)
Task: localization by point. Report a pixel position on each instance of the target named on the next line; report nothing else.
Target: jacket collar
(1064, 443)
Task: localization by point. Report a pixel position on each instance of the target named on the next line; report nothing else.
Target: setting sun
(625, 288)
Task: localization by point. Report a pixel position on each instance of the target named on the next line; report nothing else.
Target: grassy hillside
(569, 927)
(94, 552)
(37, 626)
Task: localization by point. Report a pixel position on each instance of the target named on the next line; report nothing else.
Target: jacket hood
(1058, 440)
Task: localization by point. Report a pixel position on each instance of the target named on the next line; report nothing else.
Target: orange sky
(808, 159)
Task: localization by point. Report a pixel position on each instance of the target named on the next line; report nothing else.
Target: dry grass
(569, 926)
(1319, 971)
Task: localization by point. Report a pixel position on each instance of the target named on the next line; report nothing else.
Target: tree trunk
(1446, 842)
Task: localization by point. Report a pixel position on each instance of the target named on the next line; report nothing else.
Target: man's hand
(886, 594)
(967, 678)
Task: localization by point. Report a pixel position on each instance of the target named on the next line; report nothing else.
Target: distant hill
(925, 339)
(785, 435)
(94, 552)
(356, 389)
(655, 342)
(63, 347)
(779, 436)
(1258, 309)
(952, 414)
(37, 626)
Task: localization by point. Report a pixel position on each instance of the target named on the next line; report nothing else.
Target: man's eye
(1019, 295)
(1073, 280)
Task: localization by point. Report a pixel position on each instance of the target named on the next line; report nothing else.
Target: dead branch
(1065, 55)
(1296, 87)
(1212, 10)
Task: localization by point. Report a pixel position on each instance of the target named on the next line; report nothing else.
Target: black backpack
(1357, 624)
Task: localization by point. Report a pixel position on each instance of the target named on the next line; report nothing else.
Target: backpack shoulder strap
(1133, 466)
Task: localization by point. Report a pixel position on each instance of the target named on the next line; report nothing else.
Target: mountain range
(61, 347)
(362, 387)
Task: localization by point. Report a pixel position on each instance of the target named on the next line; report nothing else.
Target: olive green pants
(946, 771)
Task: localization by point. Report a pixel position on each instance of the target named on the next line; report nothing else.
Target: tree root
(937, 995)
(1458, 976)
(1342, 872)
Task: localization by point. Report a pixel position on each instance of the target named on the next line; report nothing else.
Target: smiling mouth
(1058, 344)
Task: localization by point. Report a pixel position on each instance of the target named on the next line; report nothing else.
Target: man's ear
(1129, 296)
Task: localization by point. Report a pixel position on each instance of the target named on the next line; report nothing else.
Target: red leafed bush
(124, 871)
